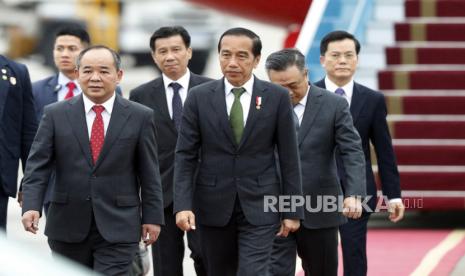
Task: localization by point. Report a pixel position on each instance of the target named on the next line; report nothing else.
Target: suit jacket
(45, 92)
(152, 94)
(368, 109)
(109, 190)
(17, 122)
(327, 124)
(227, 170)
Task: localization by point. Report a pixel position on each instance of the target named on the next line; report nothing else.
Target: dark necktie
(97, 135)
(71, 85)
(296, 120)
(176, 104)
(236, 116)
(340, 92)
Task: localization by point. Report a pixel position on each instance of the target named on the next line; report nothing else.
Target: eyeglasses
(336, 56)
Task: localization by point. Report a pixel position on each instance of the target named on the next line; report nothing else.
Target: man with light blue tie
(339, 57)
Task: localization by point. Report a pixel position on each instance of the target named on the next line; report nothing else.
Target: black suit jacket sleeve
(186, 157)
(29, 121)
(350, 151)
(149, 174)
(40, 161)
(289, 162)
(381, 139)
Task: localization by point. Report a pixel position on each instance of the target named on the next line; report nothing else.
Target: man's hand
(185, 220)
(287, 226)
(396, 211)
(20, 199)
(30, 221)
(153, 231)
(352, 207)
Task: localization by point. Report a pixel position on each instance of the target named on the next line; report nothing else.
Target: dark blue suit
(45, 92)
(368, 109)
(18, 125)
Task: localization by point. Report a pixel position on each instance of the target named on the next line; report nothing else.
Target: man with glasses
(339, 57)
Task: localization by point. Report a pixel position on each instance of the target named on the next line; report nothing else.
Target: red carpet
(427, 129)
(425, 55)
(399, 252)
(430, 154)
(420, 8)
(419, 31)
(415, 80)
(450, 260)
(421, 105)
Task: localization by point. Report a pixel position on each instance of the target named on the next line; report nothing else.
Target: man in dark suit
(339, 56)
(323, 123)
(171, 52)
(18, 126)
(237, 123)
(107, 192)
(69, 42)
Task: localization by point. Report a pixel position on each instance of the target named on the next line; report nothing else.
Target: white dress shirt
(63, 89)
(90, 114)
(245, 98)
(348, 88)
(184, 82)
(299, 108)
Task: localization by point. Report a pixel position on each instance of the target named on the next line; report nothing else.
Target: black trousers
(239, 248)
(354, 246)
(3, 209)
(98, 254)
(168, 251)
(316, 247)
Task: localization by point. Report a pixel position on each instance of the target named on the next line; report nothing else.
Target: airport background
(412, 50)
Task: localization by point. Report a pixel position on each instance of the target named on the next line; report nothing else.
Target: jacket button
(88, 198)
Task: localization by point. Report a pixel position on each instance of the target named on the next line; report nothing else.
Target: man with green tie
(230, 130)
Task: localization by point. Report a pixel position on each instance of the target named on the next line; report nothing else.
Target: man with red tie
(107, 193)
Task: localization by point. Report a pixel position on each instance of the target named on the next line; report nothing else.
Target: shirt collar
(348, 87)
(108, 105)
(183, 81)
(63, 81)
(303, 101)
(248, 86)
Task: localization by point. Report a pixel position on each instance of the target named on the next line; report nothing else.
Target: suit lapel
(258, 91)
(52, 89)
(77, 118)
(311, 110)
(118, 119)
(218, 102)
(4, 84)
(357, 102)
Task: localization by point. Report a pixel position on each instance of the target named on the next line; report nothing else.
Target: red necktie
(71, 85)
(97, 135)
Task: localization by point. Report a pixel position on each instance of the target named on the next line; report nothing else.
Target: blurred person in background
(18, 125)
(171, 51)
(339, 57)
(69, 42)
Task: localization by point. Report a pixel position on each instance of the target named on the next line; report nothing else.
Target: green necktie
(236, 116)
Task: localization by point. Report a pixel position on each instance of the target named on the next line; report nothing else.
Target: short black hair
(257, 43)
(337, 36)
(283, 59)
(116, 57)
(74, 30)
(169, 31)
